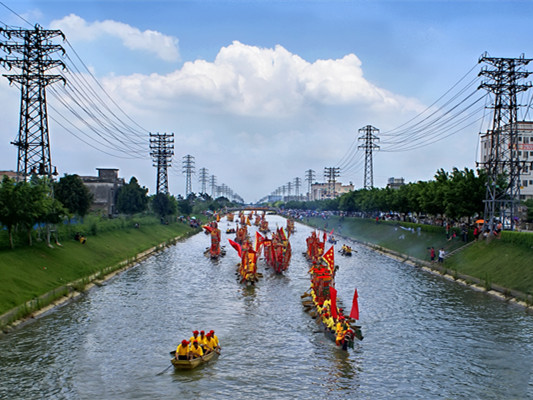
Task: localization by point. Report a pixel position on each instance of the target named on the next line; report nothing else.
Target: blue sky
(260, 91)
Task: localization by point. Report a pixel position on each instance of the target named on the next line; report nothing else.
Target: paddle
(165, 370)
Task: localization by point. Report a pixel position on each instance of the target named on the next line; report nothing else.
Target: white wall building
(525, 153)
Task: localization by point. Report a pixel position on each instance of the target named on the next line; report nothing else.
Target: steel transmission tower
(297, 184)
(162, 146)
(368, 135)
(213, 185)
(188, 170)
(204, 178)
(33, 140)
(309, 178)
(503, 76)
(330, 175)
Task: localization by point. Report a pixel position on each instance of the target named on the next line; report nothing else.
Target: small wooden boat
(191, 364)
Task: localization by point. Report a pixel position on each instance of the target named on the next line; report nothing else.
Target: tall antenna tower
(368, 135)
(188, 170)
(204, 178)
(330, 175)
(213, 185)
(33, 140)
(503, 76)
(309, 178)
(162, 146)
(297, 184)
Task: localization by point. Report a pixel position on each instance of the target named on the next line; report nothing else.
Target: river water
(425, 337)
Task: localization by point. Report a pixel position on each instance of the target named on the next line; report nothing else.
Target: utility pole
(330, 175)
(213, 185)
(368, 135)
(203, 178)
(162, 146)
(309, 178)
(297, 184)
(33, 140)
(502, 198)
(289, 188)
(188, 170)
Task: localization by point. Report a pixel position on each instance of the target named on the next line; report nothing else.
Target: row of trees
(456, 194)
(23, 205)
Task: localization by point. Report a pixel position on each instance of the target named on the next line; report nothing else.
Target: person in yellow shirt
(202, 339)
(210, 343)
(215, 338)
(182, 351)
(195, 351)
(194, 336)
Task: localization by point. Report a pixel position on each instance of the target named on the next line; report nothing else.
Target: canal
(425, 337)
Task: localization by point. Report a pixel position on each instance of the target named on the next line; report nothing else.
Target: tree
(73, 194)
(163, 205)
(132, 198)
(11, 201)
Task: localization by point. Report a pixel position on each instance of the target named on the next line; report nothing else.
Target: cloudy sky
(258, 91)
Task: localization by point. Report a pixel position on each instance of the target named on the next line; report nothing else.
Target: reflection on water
(425, 337)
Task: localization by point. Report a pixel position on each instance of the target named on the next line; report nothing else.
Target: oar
(165, 370)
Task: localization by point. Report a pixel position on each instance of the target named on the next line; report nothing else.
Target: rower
(182, 351)
(215, 337)
(202, 339)
(194, 336)
(195, 351)
(210, 343)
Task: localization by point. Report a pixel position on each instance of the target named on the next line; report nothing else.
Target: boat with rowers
(191, 364)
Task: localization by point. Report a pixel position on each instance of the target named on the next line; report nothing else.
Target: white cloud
(251, 81)
(77, 29)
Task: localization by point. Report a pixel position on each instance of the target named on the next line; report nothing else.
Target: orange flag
(329, 256)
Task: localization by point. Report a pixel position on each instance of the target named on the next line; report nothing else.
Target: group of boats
(320, 300)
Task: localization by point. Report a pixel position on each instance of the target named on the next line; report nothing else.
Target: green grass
(499, 262)
(29, 272)
(507, 262)
(391, 236)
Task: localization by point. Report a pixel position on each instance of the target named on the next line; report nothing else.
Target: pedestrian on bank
(432, 254)
(442, 253)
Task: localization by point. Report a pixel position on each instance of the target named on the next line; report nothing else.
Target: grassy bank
(392, 235)
(30, 272)
(505, 262)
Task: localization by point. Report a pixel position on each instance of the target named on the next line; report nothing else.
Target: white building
(321, 191)
(525, 153)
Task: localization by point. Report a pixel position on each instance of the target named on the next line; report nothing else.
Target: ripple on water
(425, 337)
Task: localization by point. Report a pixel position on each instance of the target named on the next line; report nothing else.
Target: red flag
(329, 256)
(331, 233)
(236, 246)
(259, 239)
(355, 307)
(333, 298)
(207, 228)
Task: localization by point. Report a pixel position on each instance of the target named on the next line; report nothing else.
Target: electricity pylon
(162, 146)
(188, 170)
(33, 140)
(502, 198)
(369, 137)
